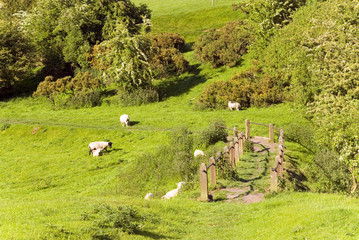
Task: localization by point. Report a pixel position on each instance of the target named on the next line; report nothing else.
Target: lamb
(97, 152)
(149, 196)
(99, 145)
(198, 153)
(125, 120)
(234, 105)
(173, 193)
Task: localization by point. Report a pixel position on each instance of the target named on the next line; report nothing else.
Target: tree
(16, 57)
(65, 32)
(123, 59)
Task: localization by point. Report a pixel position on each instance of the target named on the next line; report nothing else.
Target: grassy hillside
(50, 187)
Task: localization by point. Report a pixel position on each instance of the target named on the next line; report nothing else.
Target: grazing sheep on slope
(173, 193)
(198, 153)
(234, 105)
(149, 196)
(125, 120)
(97, 152)
(99, 145)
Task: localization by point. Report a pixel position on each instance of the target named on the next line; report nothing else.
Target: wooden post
(271, 133)
(281, 137)
(236, 149)
(212, 172)
(235, 132)
(274, 180)
(280, 166)
(203, 182)
(240, 145)
(231, 154)
(226, 154)
(212, 3)
(247, 129)
(218, 155)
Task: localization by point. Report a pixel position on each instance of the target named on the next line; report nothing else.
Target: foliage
(170, 163)
(109, 221)
(134, 98)
(123, 59)
(214, 133)
(224, 46)
(329, 173)
(84, 90)
(16, 57)
(248, 88)
(4, 127)
(268, 16)
(166, 57)
(248, 146)
(66, 31)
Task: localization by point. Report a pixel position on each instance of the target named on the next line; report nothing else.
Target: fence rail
(231, 154)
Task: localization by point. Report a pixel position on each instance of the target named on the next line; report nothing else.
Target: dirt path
(253, 173)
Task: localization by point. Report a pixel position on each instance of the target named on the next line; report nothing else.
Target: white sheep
(125, 120)
(173, 193)
(198, 153)
(149, 196)
(99, 145)
(234, 105)
(97, 152)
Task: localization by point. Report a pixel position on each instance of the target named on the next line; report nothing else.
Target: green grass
(49, 183)
(190, 18)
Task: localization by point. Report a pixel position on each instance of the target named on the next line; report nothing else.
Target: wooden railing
(232, 154)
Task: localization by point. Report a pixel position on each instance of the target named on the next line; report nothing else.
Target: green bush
(4, 127)
(167, 165)
(84, 90)
(134, 98)
(109, 222)
(248, 146)
(224, 46)
(330, 174)
(167, 60)
(213, 134)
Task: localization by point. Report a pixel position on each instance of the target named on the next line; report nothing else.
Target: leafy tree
(123, 59)
(66, 31)
(16, 57)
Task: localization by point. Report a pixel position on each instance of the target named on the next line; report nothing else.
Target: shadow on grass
(178, 85)
(133, 123)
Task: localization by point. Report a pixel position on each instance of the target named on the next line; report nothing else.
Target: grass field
(50, 186)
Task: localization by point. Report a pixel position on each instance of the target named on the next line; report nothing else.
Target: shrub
(109, 221)
(330, 174)
(213, 134)
(248, 146)
(166, 57)
(134, 98)
(224, 46)
(4, 126)
(84, 90)
(167, 165)
(249, 88)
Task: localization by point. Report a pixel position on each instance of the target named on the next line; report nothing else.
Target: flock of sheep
(97, 148)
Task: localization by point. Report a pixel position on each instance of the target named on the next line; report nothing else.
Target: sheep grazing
(125, 120)
(97, 152)
(234, 105)
(149, 196)
(99, 145)
(173, 193)
(198, 153)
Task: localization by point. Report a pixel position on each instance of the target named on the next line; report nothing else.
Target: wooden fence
(231, 154)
